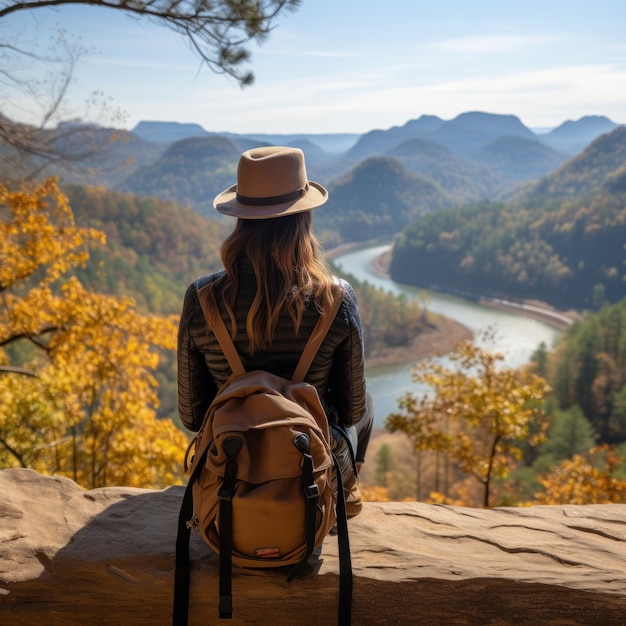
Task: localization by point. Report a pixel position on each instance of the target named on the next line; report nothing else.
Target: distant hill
(572, 137)
(167, 132)
(485, 154)
(517, 159)
(464, 133)
(330, 144)
(472, 157)
(461, 135)
(469, 131)
(191, 172)
(463, 180)
(85, 154)
(597, 168)
(377, 198)
(377, 142)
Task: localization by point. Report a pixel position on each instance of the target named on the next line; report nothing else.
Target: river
(517, 336)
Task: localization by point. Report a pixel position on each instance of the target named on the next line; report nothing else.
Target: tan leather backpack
(262, 474)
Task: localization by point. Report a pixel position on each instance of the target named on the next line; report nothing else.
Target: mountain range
(390, 176)
(467, 129)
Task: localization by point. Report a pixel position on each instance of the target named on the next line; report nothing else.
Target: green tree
(588, 369)
(477, 411)
(617, 421)
(539, 359)
(570, 434)
(383, 464)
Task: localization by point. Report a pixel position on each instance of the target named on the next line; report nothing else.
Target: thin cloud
(488, 43)
(131, 63)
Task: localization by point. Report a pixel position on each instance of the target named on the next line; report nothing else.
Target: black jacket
(337, 371)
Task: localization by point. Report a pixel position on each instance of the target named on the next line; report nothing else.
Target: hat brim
(227, 203)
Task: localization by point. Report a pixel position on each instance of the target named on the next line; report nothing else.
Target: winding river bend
(517, 336)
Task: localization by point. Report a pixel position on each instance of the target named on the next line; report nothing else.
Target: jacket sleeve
(196, 387)
(347, 379)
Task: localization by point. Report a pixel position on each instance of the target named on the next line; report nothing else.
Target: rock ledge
(106, 557)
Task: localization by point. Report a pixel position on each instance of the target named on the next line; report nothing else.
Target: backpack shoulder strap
(222, 335)
(324, 323)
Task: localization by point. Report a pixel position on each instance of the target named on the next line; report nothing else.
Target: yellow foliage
(374, 493)
(584, 479)
(440, 498)
(89, 413)
(39, 235)
(476, 411)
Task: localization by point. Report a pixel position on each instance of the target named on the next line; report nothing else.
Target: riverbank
(441, 338)
(560, 320)
(343, 248)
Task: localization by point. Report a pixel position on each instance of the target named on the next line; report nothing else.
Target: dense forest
(587, 407)
(190, 172)
(588, 370)
(562, 239)
(398, 196)
(154, 248)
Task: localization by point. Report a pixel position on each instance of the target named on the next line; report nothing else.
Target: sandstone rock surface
(106, 557)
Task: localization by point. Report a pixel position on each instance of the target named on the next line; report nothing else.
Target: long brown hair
(289, 268)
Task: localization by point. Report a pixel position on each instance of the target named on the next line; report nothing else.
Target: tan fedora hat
(271, 182)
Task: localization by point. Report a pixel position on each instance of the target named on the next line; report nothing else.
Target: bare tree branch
(32, 338)
(13, 452)
(12, 369)
(217, 31)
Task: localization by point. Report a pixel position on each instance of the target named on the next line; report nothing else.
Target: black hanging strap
(345, 561)
(232, 445)
(312, 495)
(180, 614)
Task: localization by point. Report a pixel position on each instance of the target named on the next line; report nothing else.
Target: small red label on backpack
(267, 553)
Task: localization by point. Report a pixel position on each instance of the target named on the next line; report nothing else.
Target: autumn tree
(570, 434)
(476, 411)
(87, 409)
(585, 479)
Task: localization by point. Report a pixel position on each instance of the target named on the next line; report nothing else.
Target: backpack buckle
(312, 491)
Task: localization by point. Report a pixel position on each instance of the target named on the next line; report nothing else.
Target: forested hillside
(377, 198)
(600, 167)
(154, 248)
(588, 370)
(562, 241)
(191, 172)
(463, 180)
(377, 186)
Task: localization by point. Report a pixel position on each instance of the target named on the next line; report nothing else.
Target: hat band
(286, 197)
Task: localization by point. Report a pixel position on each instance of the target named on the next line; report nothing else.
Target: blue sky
(355, 65)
